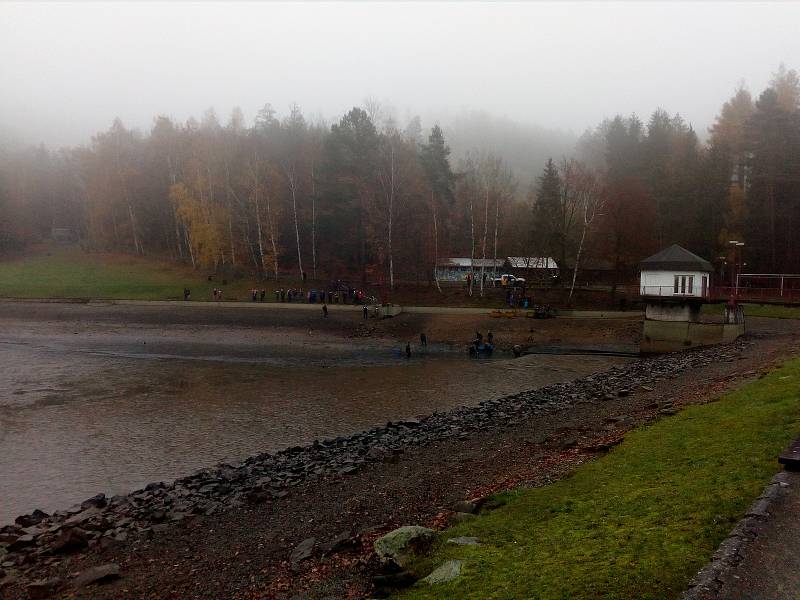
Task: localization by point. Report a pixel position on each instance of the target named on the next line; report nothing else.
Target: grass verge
(71, 273)
(639, 522)
(775, 311)
(68, 272)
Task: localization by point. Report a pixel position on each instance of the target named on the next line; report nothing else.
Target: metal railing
(767, 295)
(668, 291)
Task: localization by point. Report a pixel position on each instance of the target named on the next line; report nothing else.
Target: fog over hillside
(69, 69)
(375, 138)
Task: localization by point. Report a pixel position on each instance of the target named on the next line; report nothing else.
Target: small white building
(457, 269)
(532, 262)
(674, 283)
(534, 268)
(675, 273)
(674, 286)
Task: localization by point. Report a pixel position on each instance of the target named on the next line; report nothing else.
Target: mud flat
(104, 398)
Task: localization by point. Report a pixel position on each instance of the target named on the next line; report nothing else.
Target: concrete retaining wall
(669, 336)
(662, 311)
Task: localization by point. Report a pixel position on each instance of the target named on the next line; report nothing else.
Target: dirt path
(770, 566)
(245, 553)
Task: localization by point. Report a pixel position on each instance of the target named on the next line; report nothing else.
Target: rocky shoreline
(38, 539)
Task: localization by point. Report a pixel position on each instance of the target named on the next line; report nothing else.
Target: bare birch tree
(387, 175)
(590, 200)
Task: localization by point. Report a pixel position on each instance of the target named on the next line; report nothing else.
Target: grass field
(639, 522)
(71, 273)
(64, 272)
(775, 311)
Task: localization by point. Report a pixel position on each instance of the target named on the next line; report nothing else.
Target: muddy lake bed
(91, 403)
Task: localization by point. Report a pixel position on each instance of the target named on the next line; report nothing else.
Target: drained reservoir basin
(88, 407)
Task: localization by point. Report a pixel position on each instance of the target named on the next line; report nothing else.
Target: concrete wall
(669, 336)
(673, 312)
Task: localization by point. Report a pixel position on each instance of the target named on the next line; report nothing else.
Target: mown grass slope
(71, 273)
(639, 522)
(775, 311)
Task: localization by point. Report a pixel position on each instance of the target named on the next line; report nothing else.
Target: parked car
(507, 280)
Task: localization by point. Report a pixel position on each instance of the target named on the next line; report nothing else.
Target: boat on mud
(481, 349)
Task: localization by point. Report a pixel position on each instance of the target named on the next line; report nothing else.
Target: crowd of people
(339, 296)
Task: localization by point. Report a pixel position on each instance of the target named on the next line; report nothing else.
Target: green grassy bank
(639, 522)
(68, 273)
(775, 311)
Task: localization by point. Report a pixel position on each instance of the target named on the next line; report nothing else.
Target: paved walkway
(770, 565)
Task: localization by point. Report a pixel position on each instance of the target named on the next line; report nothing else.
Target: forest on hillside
(381, 201)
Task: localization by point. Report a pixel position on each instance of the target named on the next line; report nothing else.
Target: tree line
(366, 198)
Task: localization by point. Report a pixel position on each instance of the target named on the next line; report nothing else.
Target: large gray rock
(68, 541)
(43, 588)
(463, 541)
(402, 544)
(465, 506)
(36, 517)
(98, 574)
(21, 542)
(82, 516)
(460, 517)
(444, 572)
(302, 551)
(98, 501)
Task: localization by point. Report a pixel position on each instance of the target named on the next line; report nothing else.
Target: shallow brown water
(87, 408)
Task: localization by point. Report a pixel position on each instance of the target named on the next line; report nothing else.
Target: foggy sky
(66, 70)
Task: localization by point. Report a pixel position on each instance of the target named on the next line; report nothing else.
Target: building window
(683, 284)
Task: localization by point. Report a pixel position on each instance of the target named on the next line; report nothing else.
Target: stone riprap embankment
(38, 538)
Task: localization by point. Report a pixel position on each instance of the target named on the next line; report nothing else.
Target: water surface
(102, 408)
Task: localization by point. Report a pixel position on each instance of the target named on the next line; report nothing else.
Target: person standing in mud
(366, 312)
(325, 311)
(408, 349)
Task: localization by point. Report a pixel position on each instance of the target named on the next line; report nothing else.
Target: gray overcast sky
(66, 70)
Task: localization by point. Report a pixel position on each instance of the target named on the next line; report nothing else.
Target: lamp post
(736, 247)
